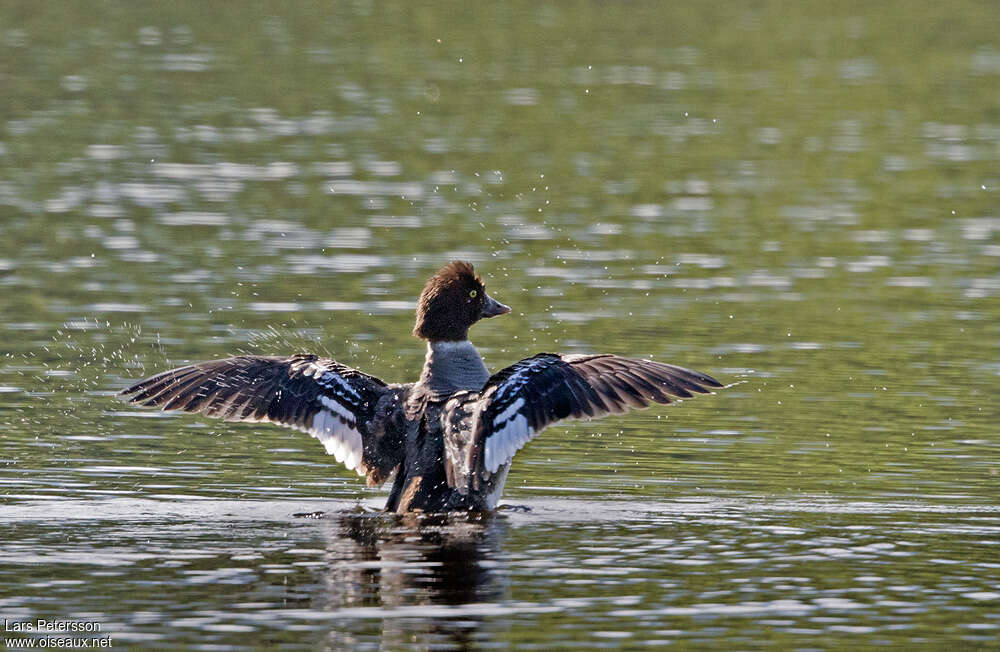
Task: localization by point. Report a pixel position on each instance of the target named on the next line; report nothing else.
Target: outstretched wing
(332, 402)
(484, 430)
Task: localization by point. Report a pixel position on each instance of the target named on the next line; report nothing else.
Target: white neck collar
(447, 347)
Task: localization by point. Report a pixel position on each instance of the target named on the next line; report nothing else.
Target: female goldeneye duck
(449, 437)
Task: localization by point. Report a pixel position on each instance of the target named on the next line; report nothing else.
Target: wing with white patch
(518, 402)
(332, 402)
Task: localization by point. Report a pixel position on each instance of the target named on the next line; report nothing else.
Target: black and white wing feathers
(332, 402)
(484, 430)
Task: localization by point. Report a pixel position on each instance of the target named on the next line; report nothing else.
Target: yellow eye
(473, 293)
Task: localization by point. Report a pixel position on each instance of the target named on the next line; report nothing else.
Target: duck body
(450, 369)
(448, 439)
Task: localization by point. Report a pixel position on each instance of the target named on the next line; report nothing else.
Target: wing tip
(136, 387)
(712, 382)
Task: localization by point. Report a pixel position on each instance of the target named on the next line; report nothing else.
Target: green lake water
(804, 197)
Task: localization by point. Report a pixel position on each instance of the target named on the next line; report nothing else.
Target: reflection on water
(801, 197)
(418, 575)
(755, 571)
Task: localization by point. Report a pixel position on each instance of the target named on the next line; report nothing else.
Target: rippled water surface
(796, 196)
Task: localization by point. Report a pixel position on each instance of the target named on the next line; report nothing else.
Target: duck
(448, 439)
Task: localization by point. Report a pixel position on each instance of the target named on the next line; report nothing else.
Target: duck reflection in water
(408, 567)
